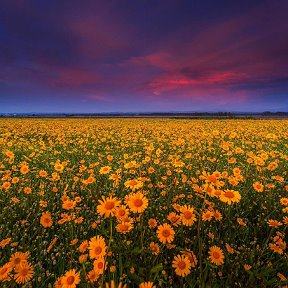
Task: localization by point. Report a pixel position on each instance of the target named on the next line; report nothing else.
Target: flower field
(143, 203)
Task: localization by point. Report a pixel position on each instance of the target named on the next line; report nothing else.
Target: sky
(143, 56)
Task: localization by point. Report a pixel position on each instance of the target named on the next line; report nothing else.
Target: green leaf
(136, 278)
(120, 265)
(156, 268)
(273, 280)
(137, 250)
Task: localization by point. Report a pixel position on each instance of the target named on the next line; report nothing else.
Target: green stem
(109, 244)
(199, 239)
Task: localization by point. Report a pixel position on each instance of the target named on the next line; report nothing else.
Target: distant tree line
(152, 114)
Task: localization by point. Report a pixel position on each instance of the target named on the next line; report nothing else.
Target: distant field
(143, 202)
(267, 116)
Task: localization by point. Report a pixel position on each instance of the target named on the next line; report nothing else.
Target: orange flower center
(109, 205)
(133, 182)
(216, 255)
(124, 227)
(70, 280)
(17, 261)
(24, 271)
(212, 178)
(98, 250)
(166, 233)
(138, 202)
(229, 194)
(187, 214)
(181, 264)
(100, 265)
(121, 212)
(93, 275)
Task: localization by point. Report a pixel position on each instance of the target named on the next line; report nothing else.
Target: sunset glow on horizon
(143, 56)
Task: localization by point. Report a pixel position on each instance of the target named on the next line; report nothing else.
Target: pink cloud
(178, 83)
(99, 37)
(75, 77)
(222, 54)
(160, 59)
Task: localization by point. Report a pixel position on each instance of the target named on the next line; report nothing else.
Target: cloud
(138, 54)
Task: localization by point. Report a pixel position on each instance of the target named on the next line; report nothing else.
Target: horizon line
(147, 112)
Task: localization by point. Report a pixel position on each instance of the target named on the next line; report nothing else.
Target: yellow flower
(97, 247)
(174, 218)
(6, 185)
(105, 170)
(58, 167)
(182, 265)
(69, 204)
(70, 279)
(112, 285)
(207, 215)
(24, 169)
(275, 248)
(107, 206)
(124, 227)
(46, 219)
(83, 246)
(83, 258)
(99, 265)
(258, 187)
(284, 201)
(281, 277)
(147, 285)
(191, 257)
(92, 276)
(5, 242)
(121, 212)
(230, 196)
(216, 255)
(217, 215)
(133, 184)
(137, 202)
(187, 216)
(247, 267)
(241, 222)
(5, 272)
(43, 173)
(19, 258)
(274, 223)
(73, 242)
(23, 273)
(154, 247)
(165, 233)
(229, 248)
(152, 223)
